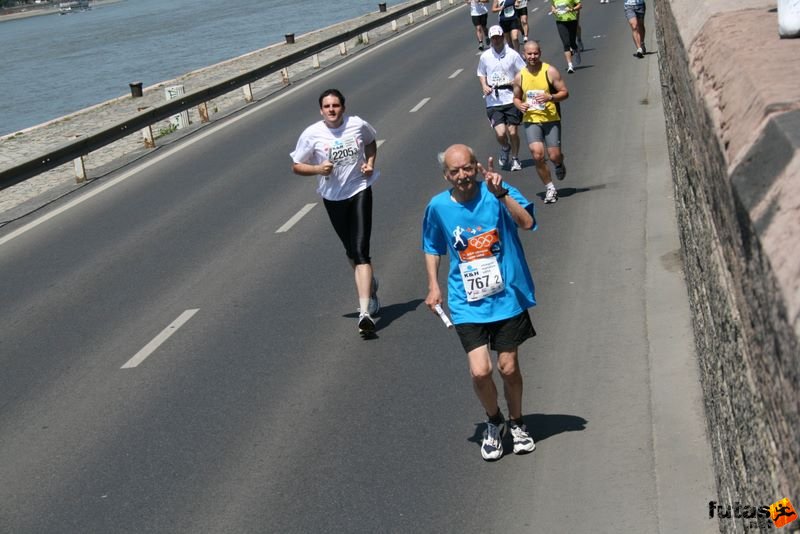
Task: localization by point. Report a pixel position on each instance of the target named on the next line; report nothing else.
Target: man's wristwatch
(501, 194)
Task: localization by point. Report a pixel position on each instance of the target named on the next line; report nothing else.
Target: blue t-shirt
(508, 12)
(461, 230)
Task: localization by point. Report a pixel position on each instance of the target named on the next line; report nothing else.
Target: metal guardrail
(76, 149)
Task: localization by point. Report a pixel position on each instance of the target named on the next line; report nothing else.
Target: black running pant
(568, 31)
(352, 220)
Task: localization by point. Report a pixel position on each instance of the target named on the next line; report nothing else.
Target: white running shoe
(551, 197)
(515, 165)
(570, 69)
(492, 444)
(523, 442)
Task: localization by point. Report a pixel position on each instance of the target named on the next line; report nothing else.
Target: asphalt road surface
(172, 363)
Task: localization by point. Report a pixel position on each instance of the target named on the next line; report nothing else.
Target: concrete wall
(731, 91)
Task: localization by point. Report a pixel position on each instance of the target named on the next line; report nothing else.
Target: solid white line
(296, 217)
(229, 121)
(380, 142)
(151, 347)
(456, 73)
(418, 106)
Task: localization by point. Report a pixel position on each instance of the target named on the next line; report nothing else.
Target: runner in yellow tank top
(534, 84)
(538, 88)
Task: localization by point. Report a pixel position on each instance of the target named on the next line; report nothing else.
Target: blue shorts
(634, 11)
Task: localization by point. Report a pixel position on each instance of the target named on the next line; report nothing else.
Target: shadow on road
(541, 427)
(564, 192)
(390, 313)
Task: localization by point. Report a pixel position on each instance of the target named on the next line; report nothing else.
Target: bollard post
(285, 76)
(80, 170)
(136, 89)
(394, 25)
(425, 11)
(147, 134)
(410, 19)
(438, 6)
(315, 61)
(248, 92)
(289, 38)
(365, 38)
(202, 110)
(342, 49)
(382, 7)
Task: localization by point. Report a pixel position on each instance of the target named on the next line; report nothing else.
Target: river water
(52, 65)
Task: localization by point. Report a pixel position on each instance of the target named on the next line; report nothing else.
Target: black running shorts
(501, 336)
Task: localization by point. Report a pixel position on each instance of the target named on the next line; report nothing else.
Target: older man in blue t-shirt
(489, 285)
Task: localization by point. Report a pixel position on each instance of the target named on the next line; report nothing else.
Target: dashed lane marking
(295, 218)
(157, 341)
(419, 106)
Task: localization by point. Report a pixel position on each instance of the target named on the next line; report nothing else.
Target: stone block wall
(731, 92)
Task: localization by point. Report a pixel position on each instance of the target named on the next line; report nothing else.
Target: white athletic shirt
(521, 4)
(500, 69)
(344, 147)
(476, 9)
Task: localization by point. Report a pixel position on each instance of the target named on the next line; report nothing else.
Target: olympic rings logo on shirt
(482, 241)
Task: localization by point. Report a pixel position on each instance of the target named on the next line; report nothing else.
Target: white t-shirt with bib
(342, 146)
(500, 69)
(476, 9)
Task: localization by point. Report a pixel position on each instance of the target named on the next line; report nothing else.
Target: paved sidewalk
(36, 192)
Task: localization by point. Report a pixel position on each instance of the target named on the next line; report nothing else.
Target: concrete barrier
(731, 91)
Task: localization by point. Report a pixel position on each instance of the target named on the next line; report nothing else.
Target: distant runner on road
(634, 12)
(479, 12)
(341, 151)
(496, 70)
(489, 285)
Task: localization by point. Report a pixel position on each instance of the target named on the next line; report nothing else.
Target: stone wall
(731, 92)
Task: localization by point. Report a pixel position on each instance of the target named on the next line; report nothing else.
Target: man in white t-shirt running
(479, 12)
(341, 151)
(496, 70)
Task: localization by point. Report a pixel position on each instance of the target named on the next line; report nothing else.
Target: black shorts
(480, 20)
(523, 12)
(509, 24)
(501, 336)
(508, 114)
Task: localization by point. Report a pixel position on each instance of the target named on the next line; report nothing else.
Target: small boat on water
(73, 5)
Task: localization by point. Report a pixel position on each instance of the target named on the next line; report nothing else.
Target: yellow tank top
(537, 84)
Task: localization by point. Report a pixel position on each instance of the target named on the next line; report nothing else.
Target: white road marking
(157, 341)
(456, 73)
(214, 129)
(380, 142)
(295, 218)
(418, 106)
